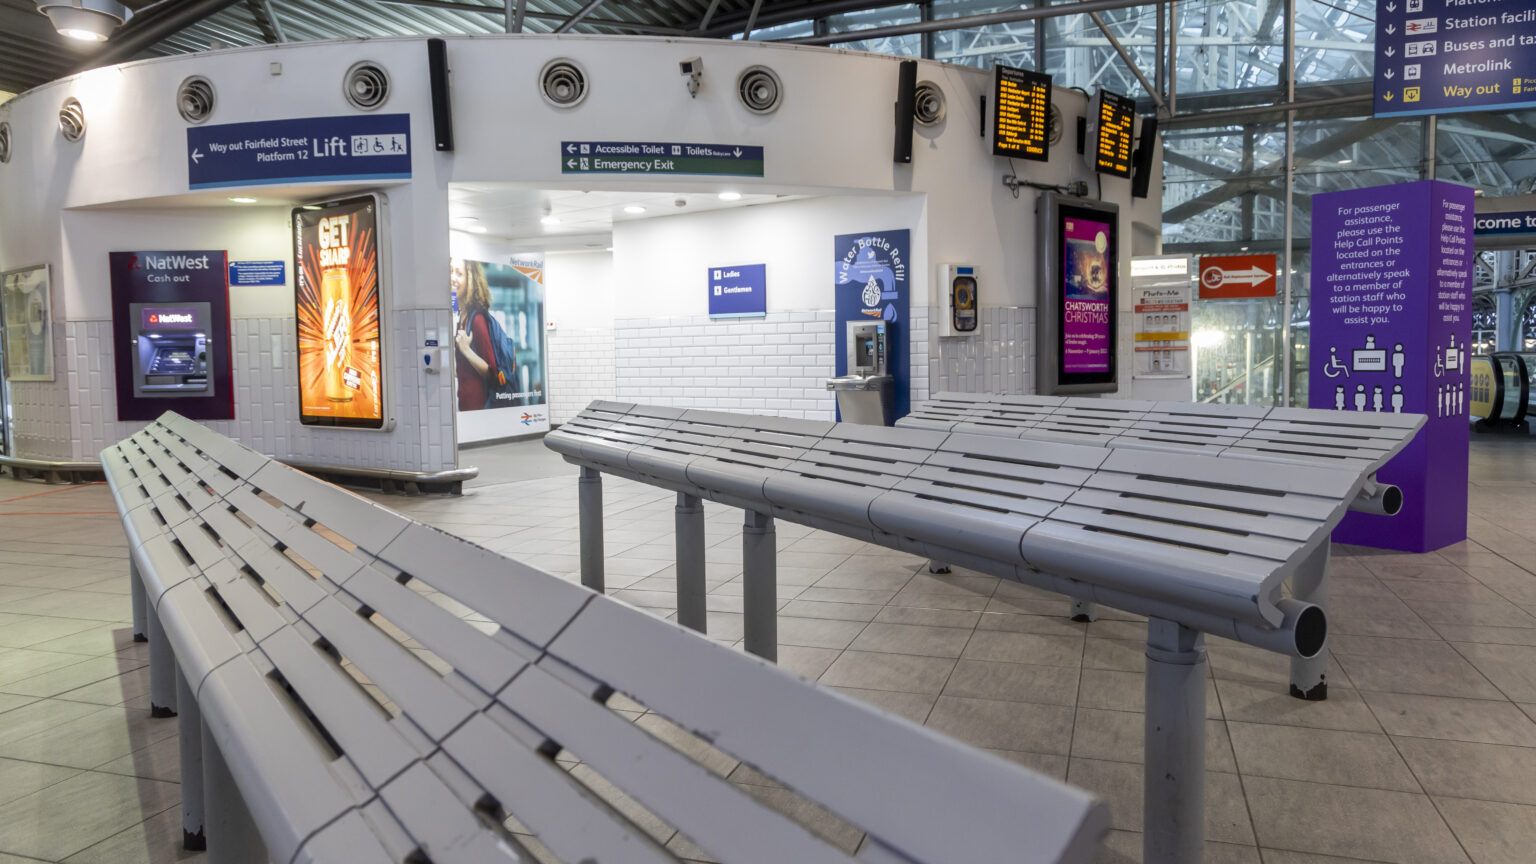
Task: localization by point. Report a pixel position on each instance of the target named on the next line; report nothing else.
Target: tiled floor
(1424, 752)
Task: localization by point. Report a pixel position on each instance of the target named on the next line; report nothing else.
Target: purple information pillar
(1391, 322)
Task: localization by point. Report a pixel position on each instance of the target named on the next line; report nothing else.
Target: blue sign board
(1494, 224)
(311, 149)
(257, 274)
(870, 284)
(738, 292)
(646, 157)
(1445, 56)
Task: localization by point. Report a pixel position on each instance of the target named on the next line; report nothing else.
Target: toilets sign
(311, 149)
(646, 157)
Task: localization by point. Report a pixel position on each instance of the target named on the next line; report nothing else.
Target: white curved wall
(125, 187)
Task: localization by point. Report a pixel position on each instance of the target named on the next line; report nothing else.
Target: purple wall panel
(1391, 323)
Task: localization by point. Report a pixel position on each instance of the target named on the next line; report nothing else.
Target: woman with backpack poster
(477, 369)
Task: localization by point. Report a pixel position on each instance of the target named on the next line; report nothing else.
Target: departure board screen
(1021, 112)
(1115, 140)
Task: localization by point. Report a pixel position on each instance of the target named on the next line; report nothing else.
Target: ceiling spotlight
(86, 20)
(550, 220)
(634, 209)
(730, 196)
(1345, 161)
(475, 229)
(241, 199)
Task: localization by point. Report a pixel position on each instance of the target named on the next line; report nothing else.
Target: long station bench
(1196, 542)
(1356, 441)
(354, 686)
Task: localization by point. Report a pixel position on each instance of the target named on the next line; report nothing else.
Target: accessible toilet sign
(645, 157)
(311, 149)
(1444, 56)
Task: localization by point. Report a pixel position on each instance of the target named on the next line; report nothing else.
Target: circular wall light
(85, 20)
(194, 99)
(72, 120)
(563, 83)
(366, 85)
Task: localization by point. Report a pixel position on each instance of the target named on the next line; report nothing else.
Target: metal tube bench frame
(1352, 440)
(1111, 525)
(356, 686)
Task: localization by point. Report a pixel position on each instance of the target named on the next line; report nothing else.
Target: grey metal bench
(1197, 543)
(1354, 441)
(354, 686)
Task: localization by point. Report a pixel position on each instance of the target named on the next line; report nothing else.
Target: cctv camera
(693, 70)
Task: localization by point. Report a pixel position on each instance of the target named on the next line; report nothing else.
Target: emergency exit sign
(664, 158)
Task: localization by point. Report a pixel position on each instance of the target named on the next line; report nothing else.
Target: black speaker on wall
(442, 108)
(1141, 162)
(906, 110)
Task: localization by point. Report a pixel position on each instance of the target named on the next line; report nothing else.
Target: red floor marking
(51, 492)
(63, 513)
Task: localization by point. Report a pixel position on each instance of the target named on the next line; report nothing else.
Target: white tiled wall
(75, 417)
(581, 368)
(999, 359)
(773, 365)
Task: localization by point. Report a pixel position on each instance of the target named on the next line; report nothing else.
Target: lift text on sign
(1224, 277)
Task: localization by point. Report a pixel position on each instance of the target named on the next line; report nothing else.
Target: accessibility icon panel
(1225, 277)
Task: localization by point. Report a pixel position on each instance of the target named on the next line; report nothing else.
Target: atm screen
(171, 360)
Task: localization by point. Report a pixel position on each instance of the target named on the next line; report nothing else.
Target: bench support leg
(232, 834)
(589, 493)
(192, 836)
(1309, 678)
(140, 602)
(937, 566)
(760, 594)
(690, 563)
(1084, 610)
(162, 669)
(1174, 781)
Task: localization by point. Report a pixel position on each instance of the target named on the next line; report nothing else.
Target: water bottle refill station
(867, 393)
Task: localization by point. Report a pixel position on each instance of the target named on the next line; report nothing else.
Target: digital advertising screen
(338, 301)
(1115, 133)
(1021, 112)
(1086, 310)
(1079, 293)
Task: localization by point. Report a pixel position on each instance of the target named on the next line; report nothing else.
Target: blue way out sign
(311, 149)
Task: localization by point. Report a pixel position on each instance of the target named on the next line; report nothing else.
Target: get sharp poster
(338, 301)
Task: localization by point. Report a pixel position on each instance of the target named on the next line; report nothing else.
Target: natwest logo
(170, 318)
(172, 262)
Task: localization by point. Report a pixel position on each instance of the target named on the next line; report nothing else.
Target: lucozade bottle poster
(338, 305)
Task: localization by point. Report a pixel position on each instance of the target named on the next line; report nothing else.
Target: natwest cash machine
(171, 350)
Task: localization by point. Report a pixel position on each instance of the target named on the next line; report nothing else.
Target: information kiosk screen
(338, 303)
(1021, 111)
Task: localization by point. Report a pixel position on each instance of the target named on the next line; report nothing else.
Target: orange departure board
(1116, 133)
(1021, 111)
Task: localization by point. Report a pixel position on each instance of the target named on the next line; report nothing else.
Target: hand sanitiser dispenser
(171, 350)
(867, 393)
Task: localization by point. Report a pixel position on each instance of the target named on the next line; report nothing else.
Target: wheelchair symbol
(1334, 367)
